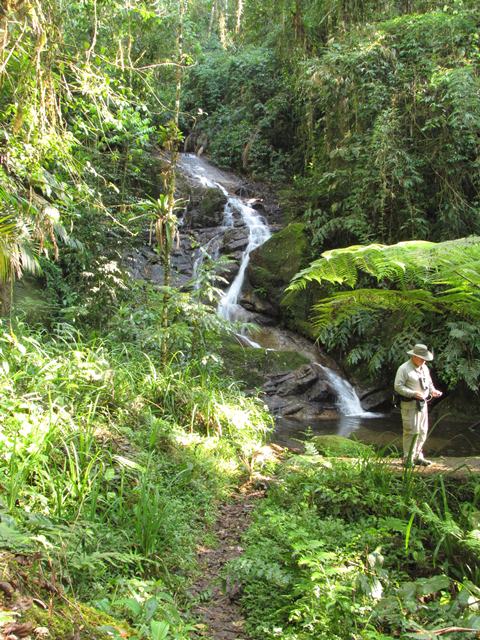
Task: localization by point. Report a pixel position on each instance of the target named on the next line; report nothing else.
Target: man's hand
(436, 393)
(419, 396)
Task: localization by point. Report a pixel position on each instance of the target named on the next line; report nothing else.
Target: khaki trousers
(415, 428)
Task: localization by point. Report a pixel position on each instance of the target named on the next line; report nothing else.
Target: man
(414, 384)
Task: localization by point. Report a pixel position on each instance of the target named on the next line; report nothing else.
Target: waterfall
(212, 247)
(348, 402)
(259, 233)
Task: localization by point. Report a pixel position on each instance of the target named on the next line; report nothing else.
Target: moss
(339, 446)
(274, 264)
(252, 365)
(211, 207)
(65, 618)
(272, 267)
(76, 620)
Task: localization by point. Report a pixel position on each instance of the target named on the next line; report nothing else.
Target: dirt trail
(220, 610)
(460, 467)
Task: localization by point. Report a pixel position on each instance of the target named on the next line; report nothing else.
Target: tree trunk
(170, 180)
(298, 26)
(6, 289)
(238, 23)
(222, 22)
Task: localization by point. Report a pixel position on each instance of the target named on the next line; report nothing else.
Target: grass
(111, 467)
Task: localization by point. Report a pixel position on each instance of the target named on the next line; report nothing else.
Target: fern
(418, 277)
(408, 289)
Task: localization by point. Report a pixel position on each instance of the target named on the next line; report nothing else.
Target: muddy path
(218, 607)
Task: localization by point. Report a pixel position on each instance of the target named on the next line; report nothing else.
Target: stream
(346, 416)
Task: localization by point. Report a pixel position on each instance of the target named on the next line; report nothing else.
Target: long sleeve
(400, 384)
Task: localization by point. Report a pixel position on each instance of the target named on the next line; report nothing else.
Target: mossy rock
(274, 264)
(339, 446)
(65, 618)
(78, 621)
(210, 208)
(251, 365)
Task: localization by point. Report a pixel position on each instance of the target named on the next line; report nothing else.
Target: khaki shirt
(411, 380)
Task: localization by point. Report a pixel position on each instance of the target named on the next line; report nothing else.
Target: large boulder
(271, 268)
(274, 264)
(235, 239)
(304, 392)
(205, 208)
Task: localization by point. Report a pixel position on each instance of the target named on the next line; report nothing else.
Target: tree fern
(416, 277)
(453, 262)
(408, 289)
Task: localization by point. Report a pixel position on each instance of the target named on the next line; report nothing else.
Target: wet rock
(205, 208)
(258, 304)
(376, 399)
(321, 391)
(274, 264)
(292, 383)
(303, 393)
(234, 240)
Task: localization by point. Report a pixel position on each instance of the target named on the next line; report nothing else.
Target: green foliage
(393, 127)
(243, 110)
(111, 463)
(412, 288)
(326, 555)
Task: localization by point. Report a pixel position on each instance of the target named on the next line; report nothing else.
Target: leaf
(160, 630)
(11, 538)
(426, 586)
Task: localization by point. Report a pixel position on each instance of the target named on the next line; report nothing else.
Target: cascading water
(212, 248)
(258, 233)
(348, 402)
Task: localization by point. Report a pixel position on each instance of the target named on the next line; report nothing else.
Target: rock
(206, 208)
(321, 391)
(235, 239)
(293, 383)
(376, 399)
(7, 589)
(273, 265)
(303, 392)
(258, 304)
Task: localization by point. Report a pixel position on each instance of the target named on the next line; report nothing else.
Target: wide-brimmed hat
(421, 351)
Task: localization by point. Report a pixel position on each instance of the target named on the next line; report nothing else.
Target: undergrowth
(350, 550)
(111, 466)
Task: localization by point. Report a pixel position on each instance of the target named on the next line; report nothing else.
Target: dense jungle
(222, 222)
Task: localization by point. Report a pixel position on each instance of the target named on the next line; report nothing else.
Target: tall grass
(111, 464)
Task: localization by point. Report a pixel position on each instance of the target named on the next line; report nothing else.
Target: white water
(348, 402)
(258, 233)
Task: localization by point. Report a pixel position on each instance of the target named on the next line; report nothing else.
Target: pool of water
(447, 437)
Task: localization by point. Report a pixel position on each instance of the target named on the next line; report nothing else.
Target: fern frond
(404, 263)
(440, 278)
(336, 309)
